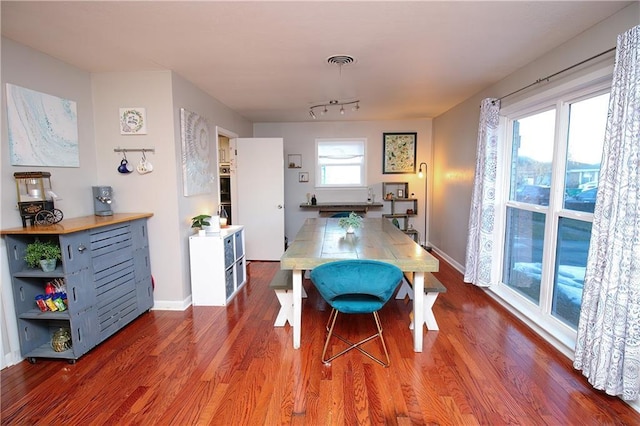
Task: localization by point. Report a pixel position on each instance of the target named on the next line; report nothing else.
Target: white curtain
(608, 341)
(483, 213)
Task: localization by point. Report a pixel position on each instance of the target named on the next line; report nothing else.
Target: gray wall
(455, 132)
(98, 98)
(299, 138)
(30, 69)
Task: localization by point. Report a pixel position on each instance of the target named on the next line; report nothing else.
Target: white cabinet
(218, 267)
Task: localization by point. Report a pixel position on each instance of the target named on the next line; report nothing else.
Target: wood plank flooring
(230, 366)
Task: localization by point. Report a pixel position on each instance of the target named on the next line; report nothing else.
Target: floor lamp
(423, 174)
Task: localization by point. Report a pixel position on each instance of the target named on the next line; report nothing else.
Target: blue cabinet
(107, 276)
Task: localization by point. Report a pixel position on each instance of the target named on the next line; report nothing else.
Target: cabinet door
(144, 287)
(84, 331)
(139, 235)
(81, 291)
(144, 294)
(76, 253)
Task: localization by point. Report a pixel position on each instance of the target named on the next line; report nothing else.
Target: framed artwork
(295, 161)
(196, 158)
(133, 121)
(399, 153)
(43, 129)
(303, 177)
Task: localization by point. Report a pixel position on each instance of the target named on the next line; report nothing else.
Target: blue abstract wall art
(43, 129)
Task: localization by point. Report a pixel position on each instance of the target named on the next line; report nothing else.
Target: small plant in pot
(42, 254)
(351, 222)
(200, 221)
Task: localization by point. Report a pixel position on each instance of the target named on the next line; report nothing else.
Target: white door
(259, 195)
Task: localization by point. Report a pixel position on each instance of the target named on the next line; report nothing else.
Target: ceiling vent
(341, 60)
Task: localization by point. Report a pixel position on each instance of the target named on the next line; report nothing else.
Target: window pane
(533, 139)
(340, 162)
(571, 262)
(340, 175)
(587, 123)
(523, 252)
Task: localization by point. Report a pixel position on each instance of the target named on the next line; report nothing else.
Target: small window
(340, 163)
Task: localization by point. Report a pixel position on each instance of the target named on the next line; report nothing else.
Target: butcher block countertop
(67, 226)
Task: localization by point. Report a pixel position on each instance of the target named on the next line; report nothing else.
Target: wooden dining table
(322, 240)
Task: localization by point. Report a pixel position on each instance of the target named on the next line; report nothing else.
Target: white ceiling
(267, 60)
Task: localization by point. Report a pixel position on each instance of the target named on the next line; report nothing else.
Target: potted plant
(201, 221)
(44, 254)
(351, 222)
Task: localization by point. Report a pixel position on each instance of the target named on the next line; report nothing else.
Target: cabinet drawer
(228, 251)
(229, 282)
(240, 268)
(239, 246)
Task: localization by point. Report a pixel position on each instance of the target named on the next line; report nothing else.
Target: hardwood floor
(230, 366)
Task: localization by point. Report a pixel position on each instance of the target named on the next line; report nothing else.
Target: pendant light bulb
(342, 110)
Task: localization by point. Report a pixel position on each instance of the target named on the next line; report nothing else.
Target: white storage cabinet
(218, 267)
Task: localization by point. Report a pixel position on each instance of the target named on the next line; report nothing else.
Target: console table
(357, 207)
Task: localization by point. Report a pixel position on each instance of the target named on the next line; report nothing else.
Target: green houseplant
(200, 221)
(39, 251)
(351, 222)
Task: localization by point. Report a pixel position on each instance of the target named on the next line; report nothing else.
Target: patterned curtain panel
(608, 341)
(482, 214)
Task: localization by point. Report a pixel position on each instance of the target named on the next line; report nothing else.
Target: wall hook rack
(143, 150)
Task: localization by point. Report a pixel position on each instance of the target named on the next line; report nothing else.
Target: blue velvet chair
(355, 287)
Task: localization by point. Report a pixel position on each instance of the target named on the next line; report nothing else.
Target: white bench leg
(404, 290)
(285, 297)
(429, 318)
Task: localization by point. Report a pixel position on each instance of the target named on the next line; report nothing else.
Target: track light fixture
(333, 103)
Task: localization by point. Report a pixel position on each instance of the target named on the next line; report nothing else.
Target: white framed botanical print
(133, 121)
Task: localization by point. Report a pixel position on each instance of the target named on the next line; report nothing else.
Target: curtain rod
(540, 80)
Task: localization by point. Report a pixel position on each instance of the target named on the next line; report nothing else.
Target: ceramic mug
(144, 166)
(124, 167)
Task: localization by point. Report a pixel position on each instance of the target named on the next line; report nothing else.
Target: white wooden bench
(282, 284)
(432, 287)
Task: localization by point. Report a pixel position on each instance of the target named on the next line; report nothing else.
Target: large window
(553, 168)
(340, 163)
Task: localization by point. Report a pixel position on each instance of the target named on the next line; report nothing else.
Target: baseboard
(171, 305)
(449, 260)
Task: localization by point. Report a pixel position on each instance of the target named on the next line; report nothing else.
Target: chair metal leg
(332, 320)
(330, 327)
